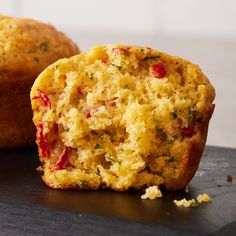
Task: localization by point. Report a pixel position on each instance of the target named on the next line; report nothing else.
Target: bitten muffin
(27, 47)
(121, 117)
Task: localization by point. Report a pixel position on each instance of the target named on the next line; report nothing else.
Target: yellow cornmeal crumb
(185, 203)
(203, 198)
(152, 193)
(191, 203)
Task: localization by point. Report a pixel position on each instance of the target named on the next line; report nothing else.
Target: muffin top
(29, 46)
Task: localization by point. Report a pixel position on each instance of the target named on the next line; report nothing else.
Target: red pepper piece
(187, 132)
(63, 159)
(120, 50)
(158, 70)
(42, 141)
(87, 114)
(44, 98)
(91, 112)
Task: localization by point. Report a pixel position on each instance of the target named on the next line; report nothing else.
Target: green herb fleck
(56, 67)
(193, 204)
(98, 146)
(55, 175)
(162, 134)
(163, 154)
(174, 115)
(84, 183)
(43, 47)
(152, 58)
(172, 159)
(170, 141)
(118, 67)
(91, 76)
(67, 129)
(113, 160)
(190, 114)
(32, 49)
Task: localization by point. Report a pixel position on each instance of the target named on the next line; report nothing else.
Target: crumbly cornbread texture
(152, 193)
(27, 47)
(185, 203)
(121, 117)
(201, 198)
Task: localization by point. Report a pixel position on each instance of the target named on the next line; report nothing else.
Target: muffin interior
(118, 116)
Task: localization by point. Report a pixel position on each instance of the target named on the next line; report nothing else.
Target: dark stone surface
(28, 207)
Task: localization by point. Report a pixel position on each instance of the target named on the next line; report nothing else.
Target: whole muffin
(27, 47)
(121, 117)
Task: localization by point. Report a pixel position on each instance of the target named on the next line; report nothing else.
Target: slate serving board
(28, 207)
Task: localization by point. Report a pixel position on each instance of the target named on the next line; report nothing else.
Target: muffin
(27, 47)
(121, 117)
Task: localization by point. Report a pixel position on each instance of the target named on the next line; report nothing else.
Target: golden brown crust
(16, 127)
(26, 48)
(192, 157)
(70, 186)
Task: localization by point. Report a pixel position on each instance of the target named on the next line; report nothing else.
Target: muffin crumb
(192, 203)
(185, 203)
(203, 198)
(152, 193)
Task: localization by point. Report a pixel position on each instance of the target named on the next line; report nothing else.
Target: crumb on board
(185, 203)
(229, 178)
(152, 193)
(192, 203)
(203, 198)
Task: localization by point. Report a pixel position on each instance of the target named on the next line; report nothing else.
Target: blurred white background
(203, 31)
